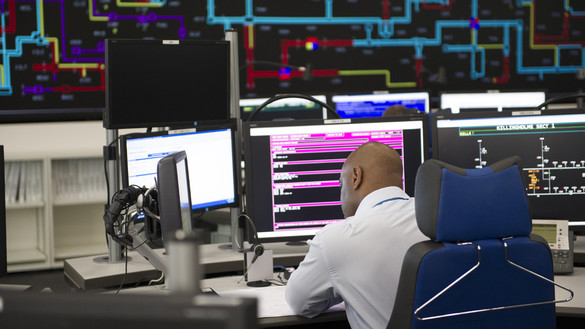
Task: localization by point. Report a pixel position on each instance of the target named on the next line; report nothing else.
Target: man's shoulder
(334, 228)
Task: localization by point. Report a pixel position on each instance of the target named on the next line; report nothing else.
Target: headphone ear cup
(258, 250)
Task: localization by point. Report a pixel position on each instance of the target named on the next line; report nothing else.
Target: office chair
(481, 267)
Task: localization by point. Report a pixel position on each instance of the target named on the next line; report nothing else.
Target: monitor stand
(296, 243)
(143, 264)
(258, 284)
(237, 233)
(106, 260)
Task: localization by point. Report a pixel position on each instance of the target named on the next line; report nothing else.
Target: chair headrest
(455, 204)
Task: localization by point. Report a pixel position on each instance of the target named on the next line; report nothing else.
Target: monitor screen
(212, 167)
(551, 144)
(173, 195)
(3, 243)
(496, 101)
(374, 105)
(286, 108)
(293, 168)
(156, 83)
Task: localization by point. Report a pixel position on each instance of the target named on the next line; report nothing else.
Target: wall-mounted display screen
(52, 51)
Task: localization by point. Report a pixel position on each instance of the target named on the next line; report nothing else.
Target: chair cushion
(455, 204)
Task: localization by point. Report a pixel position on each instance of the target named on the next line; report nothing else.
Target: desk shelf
(74, 251)
(25, 205)
(23, 256)
(63, 218)
(27, 235)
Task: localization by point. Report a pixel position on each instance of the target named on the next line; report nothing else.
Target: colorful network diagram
(52, 51)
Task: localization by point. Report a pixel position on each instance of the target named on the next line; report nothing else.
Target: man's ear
(356, 178)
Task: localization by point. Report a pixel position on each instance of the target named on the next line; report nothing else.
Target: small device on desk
(560, 240)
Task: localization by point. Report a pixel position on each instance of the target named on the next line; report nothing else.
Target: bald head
(370, 167)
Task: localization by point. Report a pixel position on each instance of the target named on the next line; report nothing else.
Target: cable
(125, 270)
(560, 98)
(245, 273)
(115, 141)
(159, 280)
(251, 222)
(282, 96)
(280, 281)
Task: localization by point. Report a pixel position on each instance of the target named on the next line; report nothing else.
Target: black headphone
(258, 250)
(274, 98)
(256, 247)
(113, 217)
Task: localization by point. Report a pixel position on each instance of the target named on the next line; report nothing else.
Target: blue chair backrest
(479, 225)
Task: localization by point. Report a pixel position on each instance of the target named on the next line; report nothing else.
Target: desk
(87, 273)
(575, 282)
(572, 309)
(234, 286)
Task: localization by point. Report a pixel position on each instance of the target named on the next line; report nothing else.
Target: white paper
(271, 302)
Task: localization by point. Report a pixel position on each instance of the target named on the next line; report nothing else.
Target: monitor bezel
(249, 195)
(169, 196)
(446, 115)
(110, 122)
(488, 92)
(231, 126)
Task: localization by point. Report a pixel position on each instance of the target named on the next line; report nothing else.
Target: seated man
(398, 110)
(359, 260)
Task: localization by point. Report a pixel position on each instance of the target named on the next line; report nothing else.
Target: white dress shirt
(358, 261)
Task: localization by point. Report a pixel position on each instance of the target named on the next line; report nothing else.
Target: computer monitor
(282, 109)
(211, 154)
(551, 144)
(3, 243)
(159, 83)
(374, 105)
(494, 101)
(116, 311)
(174, 197)
(293, 168)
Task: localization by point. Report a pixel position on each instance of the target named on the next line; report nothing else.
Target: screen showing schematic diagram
(52, 51)
(551, 144)
(293, 169)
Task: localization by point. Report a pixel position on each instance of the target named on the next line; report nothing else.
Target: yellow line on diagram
(385, 73)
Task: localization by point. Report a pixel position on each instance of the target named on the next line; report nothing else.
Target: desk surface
(575, 282)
